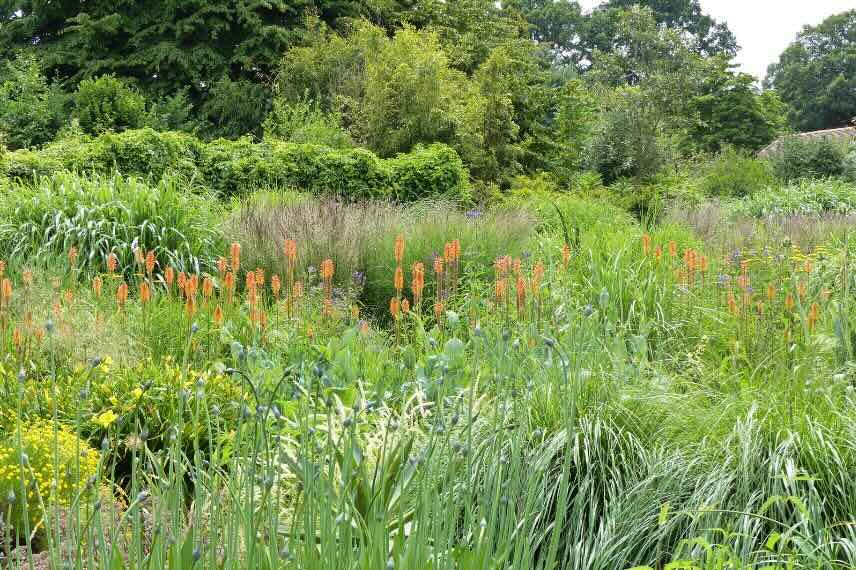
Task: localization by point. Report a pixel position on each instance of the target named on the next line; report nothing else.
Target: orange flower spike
(97, 284)
(355, 312)
(260, 277)
(744, 267)
(221, 266)
(646, 244)
(398, 280)
(521, 293)
(250, 281)
(501, 286)
(807, 266)
(229, 284)
(658, 253)
(692, 261)
(17, 338)
(275, 286)
(112, 263)
(327, 269)
(456, 249)
(291, 251)
(235, 254)
(814, 312)
(789, 302)
(145, 292)
(192, 286)
(169, 277)
(398, 249)
(438, 310)
(537, 278)
(438, 265)
(394, 307)
(771, 292)
(122, 294)
(218, 315)
(207, 287)
(732, 303)
(448, 253)
(518, 264)
(6, 289)
(673, 249)
(182, 280)
(2, 267)
(418, 282)
(405, 306)
(150, 263)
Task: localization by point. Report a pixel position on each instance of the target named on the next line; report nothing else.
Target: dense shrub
(732, 174)
(229, 167)
(628, 139)
(235, 108)
(305, 122)
(428, 171)
(108, 103)
(799, 157)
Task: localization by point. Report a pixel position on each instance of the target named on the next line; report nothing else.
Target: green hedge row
(233, 167)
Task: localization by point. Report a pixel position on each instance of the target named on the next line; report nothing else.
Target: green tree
(646, 93)
(709, 36)
(730, 111)
(31, 107)
(630, 138)
(165, 46)
(816, 75)
(409, 93)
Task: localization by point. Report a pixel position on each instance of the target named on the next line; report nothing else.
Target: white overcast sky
(764, 28)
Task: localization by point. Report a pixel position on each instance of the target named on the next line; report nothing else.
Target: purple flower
(723, 280)
(473, 214)
(735, 257)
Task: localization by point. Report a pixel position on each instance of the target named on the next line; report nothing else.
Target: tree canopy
(816, 75)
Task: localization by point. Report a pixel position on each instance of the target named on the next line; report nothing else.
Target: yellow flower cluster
(46, 482)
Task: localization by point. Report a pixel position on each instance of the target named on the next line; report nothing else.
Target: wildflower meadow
(427, 285)
(547, 384)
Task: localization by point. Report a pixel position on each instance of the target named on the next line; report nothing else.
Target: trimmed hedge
(232, 167)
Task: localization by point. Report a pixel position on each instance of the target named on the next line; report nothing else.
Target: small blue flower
(736, 256)
(473, 214)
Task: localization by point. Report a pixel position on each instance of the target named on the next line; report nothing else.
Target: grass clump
(98, 216)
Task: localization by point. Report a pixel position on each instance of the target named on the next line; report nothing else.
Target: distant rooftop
(842, 134)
